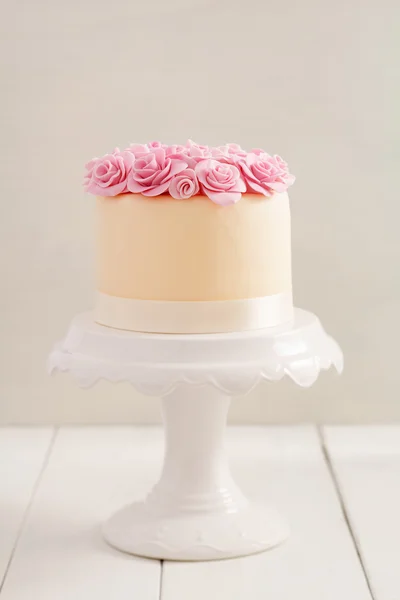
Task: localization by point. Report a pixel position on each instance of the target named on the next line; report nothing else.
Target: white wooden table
(340, 488)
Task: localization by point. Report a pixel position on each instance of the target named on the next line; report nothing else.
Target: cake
(191, 238)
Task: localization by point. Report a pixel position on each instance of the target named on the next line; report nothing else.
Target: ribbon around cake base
(222, 316)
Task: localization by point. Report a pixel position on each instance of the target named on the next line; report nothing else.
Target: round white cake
(191, 244)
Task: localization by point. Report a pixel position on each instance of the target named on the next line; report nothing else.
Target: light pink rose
(107, 176)
(156, 145)
(191, 145)
(174, 150)
(138, 150)
(151, 174)
(194, 153)
(266, 174)
(222, 183)
(229, 153)
(192, 156)
(184, 185)
(91, 164)
(222, 155)
(233, 150)
(89, 171)
(259, 152)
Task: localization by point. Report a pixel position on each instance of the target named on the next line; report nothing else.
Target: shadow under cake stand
(196, 511)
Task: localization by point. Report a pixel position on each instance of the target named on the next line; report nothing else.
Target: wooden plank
(366, 463)
(22, 455)
(286, 467)
(61, 554)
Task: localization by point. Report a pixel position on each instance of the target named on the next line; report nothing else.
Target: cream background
(317, 82)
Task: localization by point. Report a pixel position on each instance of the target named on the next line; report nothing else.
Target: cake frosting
(191, 239)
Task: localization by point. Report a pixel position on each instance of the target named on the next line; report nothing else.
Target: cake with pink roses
(191, 238)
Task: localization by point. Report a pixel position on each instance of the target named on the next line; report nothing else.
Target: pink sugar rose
(233, 150)
(156, 145)
(174, 150)
(191, 145)
(191, 153)
(138, 150)
(258, 152)
(107, 176)
(91, 164)
(222, 183)
(222, 155)
(151, 174)
(196, 152)
(184, 185)
(266, 174)
(229, 153)
(89, 171)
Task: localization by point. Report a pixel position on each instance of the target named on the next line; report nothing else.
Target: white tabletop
(340, 488)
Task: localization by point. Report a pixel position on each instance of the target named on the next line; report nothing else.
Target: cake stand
(196, 511)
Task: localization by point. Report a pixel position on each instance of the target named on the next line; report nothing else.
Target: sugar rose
(151, 174)
(184, 185)
(107, 176)
(221, 182)
(266, 174)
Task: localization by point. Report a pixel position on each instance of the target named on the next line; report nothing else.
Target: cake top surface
(223, 173)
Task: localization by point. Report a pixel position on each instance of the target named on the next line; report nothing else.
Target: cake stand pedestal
(196, 511)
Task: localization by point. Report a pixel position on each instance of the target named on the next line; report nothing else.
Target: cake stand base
(248, 531)
(195, 511)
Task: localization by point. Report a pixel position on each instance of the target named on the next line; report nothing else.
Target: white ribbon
(153, 316)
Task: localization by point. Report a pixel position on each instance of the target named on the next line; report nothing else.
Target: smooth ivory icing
(169, 250)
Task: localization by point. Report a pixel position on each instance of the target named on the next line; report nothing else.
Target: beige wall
(315, 81)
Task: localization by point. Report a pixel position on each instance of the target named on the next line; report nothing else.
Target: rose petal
(159, 155)
(177, 166)
(114, 190)
(157, 190)
(259, 189)
(223, 198)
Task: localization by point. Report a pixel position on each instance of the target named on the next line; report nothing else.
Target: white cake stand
(196, 511)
